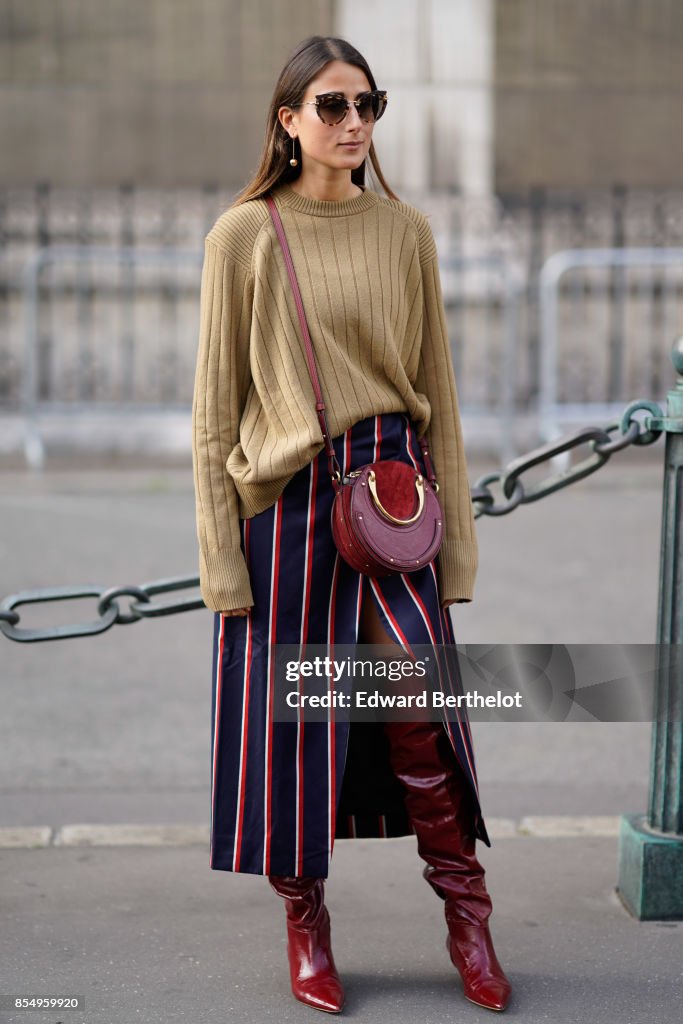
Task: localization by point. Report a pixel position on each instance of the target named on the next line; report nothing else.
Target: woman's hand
(236, 611)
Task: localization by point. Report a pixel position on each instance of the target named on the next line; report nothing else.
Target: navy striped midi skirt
(282, 792)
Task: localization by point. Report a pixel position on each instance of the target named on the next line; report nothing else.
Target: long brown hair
(307, 61)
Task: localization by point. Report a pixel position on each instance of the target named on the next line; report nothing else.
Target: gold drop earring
(293, 162)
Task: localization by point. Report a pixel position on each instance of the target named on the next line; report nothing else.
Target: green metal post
(651, 846)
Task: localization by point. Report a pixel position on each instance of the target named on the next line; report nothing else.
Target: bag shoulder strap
(335, 470)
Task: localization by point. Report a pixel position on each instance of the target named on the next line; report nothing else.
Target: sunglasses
(332, 107)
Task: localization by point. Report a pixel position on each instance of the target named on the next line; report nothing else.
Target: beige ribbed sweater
(369, 279)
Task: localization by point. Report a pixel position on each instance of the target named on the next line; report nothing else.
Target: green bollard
(651, 846)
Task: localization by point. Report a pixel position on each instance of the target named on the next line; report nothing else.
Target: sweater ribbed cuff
(456, 566)
(224, 579)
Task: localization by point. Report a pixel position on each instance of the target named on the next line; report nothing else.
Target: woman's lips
(351, 145)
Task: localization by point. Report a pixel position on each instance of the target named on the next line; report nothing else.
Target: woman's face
(334, 147)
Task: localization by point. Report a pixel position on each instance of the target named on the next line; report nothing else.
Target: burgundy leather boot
(312, 969)
(441, 812)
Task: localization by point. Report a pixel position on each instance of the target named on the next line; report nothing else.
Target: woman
(368, 272)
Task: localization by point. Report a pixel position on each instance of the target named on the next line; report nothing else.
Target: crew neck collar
(326, 207)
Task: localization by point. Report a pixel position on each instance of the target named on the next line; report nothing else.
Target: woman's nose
(352, 116)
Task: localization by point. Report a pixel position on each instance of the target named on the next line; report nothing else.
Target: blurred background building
(486, 95)
(522, 127)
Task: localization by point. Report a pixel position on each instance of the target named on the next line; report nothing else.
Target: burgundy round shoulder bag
(386, 518)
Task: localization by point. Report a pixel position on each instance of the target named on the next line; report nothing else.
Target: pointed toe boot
(312, 970)
(471, 950)
(440, 809)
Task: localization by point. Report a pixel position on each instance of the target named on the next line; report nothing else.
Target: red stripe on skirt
(310, 530)
(331, 731)
(391, 617)
(271, 673)
(410, 587)
(409, 445)
(245, 725)
(219, 687)
(245, 748)
(378, 438)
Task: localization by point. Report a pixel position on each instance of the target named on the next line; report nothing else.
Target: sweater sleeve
(458, 556)
(221, 383)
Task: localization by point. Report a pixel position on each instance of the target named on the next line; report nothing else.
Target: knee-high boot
(441, 812)
(312, 969)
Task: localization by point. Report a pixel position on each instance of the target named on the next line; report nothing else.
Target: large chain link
(632, 432)
(142, 607)
(109, 612)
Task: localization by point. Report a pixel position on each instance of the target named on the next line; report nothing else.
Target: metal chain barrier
(632, 432)
(142, 607)
(109, 612)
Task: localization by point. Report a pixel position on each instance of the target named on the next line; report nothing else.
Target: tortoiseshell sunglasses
(332, 107)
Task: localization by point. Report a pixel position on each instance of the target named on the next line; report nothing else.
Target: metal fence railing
(119, 343)
(116, 326)
(593, 352)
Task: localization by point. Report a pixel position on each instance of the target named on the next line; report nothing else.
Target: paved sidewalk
(153, 935)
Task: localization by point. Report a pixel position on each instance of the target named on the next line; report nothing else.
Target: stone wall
(588, 93)
(486, 95)
(160, 92)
